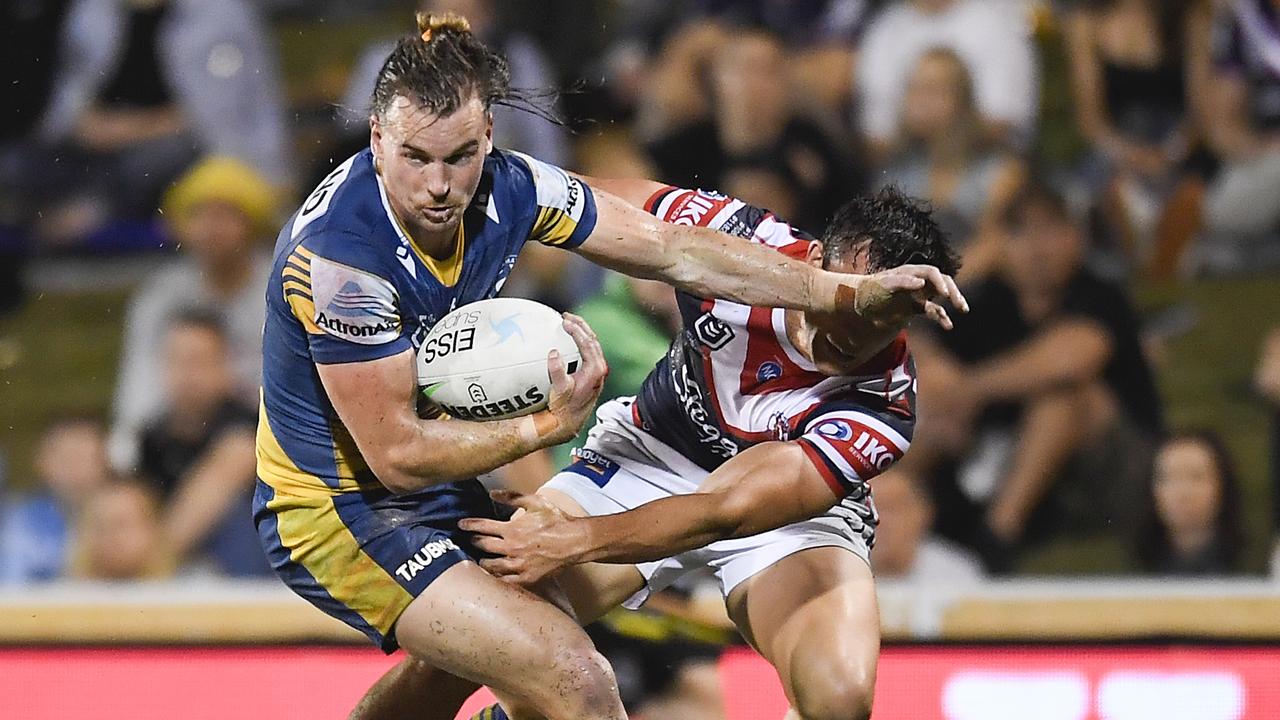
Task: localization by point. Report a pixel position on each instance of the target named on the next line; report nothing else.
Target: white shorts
(622, 467)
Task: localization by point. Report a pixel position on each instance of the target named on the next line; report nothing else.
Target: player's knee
(580, 684)
(843, 696)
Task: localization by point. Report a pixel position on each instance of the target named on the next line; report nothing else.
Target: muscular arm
(709, 263)
(765, 487)
(376, 402)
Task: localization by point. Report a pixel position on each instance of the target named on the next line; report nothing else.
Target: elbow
(391, 477)
(393, 469)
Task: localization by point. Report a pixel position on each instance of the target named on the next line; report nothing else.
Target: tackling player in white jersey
(749, 450)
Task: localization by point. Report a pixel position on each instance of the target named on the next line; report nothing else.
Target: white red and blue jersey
(733, 379)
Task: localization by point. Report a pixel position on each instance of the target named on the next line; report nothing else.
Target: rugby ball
(488, 360)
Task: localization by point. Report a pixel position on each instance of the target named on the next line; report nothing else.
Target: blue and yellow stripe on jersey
(349, 285)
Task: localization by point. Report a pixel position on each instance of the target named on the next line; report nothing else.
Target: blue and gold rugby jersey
(348, 284)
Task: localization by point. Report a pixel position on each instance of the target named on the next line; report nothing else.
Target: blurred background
(1092, 491)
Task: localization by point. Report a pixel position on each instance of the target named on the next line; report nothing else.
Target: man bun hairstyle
(441, 68)
(895, 229)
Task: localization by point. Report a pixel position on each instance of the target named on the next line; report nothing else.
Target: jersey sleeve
(565, 207)
(706, 208)
(849, 446)
(350, 311)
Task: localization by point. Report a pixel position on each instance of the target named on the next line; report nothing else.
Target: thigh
(593, 589)
(475, 626)
(812, 615)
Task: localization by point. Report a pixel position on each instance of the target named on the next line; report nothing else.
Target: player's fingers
(521, 500)
(589, 380)
(482, 526)
(958, 300)
(952, 293)
(896, 281)
(491, 545)
(938, 314)
(561, 383)
(935, 282)
(588, 344)
(501, 566)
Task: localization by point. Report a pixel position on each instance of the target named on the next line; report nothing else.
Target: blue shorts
(362, 557)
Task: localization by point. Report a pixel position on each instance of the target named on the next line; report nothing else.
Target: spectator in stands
(1242, 219)
(905, 550)
(763, 185)
(821, 37)
(513, 128)
(1192, 525)
(1134, 75)
(28, 53)
(991, 37)
(1041, 393)
(199, 455)
(71, 464)
(118, 536)
(144, 88)
(752, 118)
(1266, 380)
(942, 155)
(221, 213)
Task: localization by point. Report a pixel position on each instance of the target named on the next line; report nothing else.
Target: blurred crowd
(1071, 150)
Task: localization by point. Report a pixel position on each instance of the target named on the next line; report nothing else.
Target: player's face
(431, 164)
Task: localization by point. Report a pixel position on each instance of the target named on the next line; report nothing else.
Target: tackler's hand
(531, 546)
(892, 296)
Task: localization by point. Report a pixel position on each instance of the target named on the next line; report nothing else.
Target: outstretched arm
(709, 263)
(765, 487)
